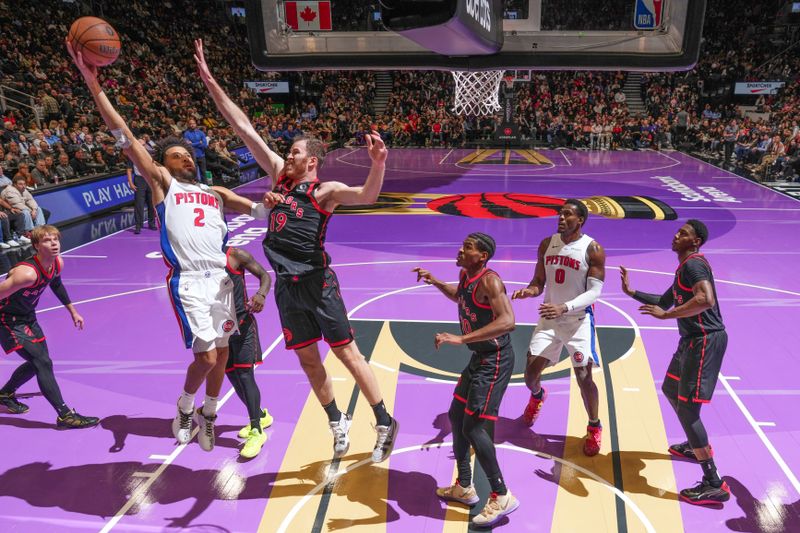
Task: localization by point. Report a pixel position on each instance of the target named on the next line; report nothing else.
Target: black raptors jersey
(474, 315)
(295, 244)
(239, 291)
(23, 302)
(694, 269)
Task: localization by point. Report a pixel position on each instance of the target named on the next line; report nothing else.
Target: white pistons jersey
(193, 230)
(566, 267)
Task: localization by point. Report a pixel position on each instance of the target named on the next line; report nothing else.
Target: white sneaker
(182, 427)
(496, 508)
(4, 246)
(341, 440)
(24, 240)
(12, 243)
(206, 434)
(385, 441)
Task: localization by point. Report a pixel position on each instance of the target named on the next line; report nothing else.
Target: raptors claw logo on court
(227, 326)
(578, 356)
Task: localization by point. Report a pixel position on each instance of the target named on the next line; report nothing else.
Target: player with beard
(193, 236)
(306, 288)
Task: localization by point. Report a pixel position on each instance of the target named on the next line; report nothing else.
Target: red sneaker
(531, 412)
(594, 436)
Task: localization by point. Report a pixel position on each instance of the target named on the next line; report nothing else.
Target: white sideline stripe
(159, 457)
(446, 156)
(766, 424)
(760, 432)
(384, 367)
(85, 256)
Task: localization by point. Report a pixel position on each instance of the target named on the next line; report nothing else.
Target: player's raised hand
(88, 71)
(271, 199)
(623, 274)
(654, 311)
(200, 59)
(446, 338)
(527, 292)
(376, 148)
(424, 275)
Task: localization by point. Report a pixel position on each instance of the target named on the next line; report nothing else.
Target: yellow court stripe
(457, 519)
(647, 475)
(308, 455)
(583, 504)
(507, 157)
(359, 504)
(658, 213)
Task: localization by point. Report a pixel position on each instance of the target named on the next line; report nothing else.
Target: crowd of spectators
(154, 86)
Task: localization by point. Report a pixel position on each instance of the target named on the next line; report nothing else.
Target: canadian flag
(308, 16)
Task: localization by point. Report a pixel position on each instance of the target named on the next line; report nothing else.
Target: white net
(477, 92)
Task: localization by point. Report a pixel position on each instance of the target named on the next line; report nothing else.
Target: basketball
(96, 40)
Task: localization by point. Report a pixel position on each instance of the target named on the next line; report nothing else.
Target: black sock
(710, 472)
(497, 484)
(382, 417)
(62, 410)
(595, 424)
(333, 412)
(538, 395)
(464, 473)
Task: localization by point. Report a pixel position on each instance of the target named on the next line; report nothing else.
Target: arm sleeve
(585, 299)
(259, 211)
(60, 291)
(664, 301)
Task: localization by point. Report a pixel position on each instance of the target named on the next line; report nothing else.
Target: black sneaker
(9, 401)
(73, 420)
(705, 494)
(683, 449)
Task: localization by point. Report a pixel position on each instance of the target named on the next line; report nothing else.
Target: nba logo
(648, 14)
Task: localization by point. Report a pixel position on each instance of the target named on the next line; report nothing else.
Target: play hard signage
(308, 16)
(647, 15)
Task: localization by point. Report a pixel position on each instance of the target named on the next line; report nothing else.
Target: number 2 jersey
(295, 243)
(193, 229)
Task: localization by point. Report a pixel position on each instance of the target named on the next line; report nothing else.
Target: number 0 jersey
(193, 229)
(566, 269)
(474, 315)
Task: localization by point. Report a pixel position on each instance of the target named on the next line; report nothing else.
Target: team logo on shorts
(578, 356)
(227, 326)
(287, 335)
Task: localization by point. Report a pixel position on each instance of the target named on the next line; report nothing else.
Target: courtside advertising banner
(758, 87)
(268, 87)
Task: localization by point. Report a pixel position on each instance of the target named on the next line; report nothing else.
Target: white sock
(186, 402)
(210, 405)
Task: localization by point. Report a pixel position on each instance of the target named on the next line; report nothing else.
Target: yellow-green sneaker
(255, 440)
(266, 421)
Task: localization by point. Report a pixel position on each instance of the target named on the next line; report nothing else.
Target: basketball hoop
(509, 79)
(477, 92)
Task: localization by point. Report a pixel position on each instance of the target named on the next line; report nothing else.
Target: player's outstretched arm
(20, 277)
(341, 194)
(157, 177)
(426, 277)
(663, 301)
(536, 286)
(268, 160)
(246, 260)
(239, 203)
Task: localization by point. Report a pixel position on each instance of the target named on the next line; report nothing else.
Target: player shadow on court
(761, 515)
(506, 430)
(632, 463)
(103, 489)
(121, 426)
(20, 422)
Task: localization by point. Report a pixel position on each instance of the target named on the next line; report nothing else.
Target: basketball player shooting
(307, 291)
(193, 234)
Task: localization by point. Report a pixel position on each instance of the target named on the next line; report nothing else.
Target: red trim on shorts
(459, 398)
(244, 365)
(698, 400)
(10, 332)
(702, 356)
(488, 417)
(14, 349)
(40, 339)
(673, 376)
(338, 343)
(683, 398)
(303, 344)
(470, 413)
(228, 263)
(494, 379)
